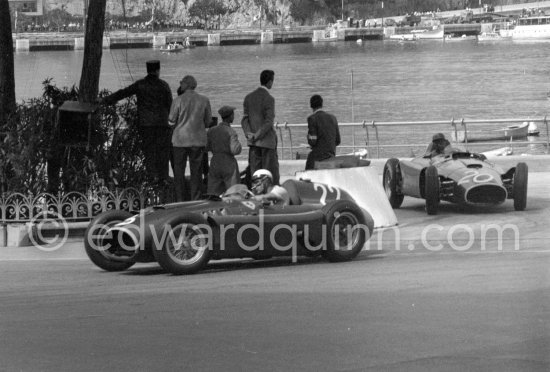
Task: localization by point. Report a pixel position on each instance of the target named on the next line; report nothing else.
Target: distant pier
(123, 40)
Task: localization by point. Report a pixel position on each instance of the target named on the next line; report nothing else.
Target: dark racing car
(183, 237)
(461, 177)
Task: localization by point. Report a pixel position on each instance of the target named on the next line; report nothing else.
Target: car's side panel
(271, 232)
(410, 176)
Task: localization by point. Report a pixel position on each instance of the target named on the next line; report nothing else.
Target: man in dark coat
(323, 134)
(223, 142)
(257, 123)
(154, 99)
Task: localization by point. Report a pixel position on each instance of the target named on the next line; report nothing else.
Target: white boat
(431, 34)
(451, 37)
(509, 132)
(404, 37)
(175, 48)
(490, 36)
(532, 28)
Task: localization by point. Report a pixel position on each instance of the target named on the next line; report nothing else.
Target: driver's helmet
(261, 179)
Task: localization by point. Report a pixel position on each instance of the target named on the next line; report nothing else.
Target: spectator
(323, 134)
(154, 99)
(257, 123)
(190, 115)
(223, 142)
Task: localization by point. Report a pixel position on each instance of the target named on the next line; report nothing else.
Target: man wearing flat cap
(190, 115)
(439, 146)
(154, 99)
(224, 144)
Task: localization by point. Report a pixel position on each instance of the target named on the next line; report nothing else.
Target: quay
(127, 40)
(122, 40)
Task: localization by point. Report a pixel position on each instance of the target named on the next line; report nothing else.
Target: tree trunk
(93, 50)
(7, 79)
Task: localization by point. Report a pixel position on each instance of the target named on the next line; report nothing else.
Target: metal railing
(371, 139)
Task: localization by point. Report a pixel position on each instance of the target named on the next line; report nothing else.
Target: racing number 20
(325, 190)
(475, 177)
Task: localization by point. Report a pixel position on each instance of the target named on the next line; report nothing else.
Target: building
(28, 7)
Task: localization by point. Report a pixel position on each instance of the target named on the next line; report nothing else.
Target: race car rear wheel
(520, 187)
(96, 248)
(346, 231)
(392, 177)
(186, 248)
(431, 191)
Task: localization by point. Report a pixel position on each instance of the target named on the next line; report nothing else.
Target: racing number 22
(325, 190)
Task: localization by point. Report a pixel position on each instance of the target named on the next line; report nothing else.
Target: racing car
(183, 237)
(461, 177)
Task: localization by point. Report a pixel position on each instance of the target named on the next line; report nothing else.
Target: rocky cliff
(245, 13)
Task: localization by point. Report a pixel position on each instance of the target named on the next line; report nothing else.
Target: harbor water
(369, 81)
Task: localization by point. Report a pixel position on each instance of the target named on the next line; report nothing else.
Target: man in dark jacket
(223, 142)
(257, 123)
(154, 99)
(323, 134)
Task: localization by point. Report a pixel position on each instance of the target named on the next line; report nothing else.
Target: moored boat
(490, 36)
(404, 37)
(451, 37)
(510, 132)
(535, 27)
(174, 48)
(431, 34)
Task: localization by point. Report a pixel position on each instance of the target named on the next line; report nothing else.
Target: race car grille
(486, 194)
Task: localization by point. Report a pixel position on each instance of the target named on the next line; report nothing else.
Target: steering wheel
(249, 194)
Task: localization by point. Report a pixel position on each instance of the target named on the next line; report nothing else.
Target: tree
(204, 9)
(7, 78)
(59, 17)
(93, 50)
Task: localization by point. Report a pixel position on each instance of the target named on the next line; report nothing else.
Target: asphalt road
(407, 303)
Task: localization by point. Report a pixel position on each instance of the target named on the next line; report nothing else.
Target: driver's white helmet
(260, 173)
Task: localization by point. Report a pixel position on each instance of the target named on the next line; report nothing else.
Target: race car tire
(188, 256)
(93, 245)
(431, 191)
(340, 215)
(521, 177)
(391, 180)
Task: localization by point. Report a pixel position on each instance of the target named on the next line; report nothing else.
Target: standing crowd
(182, 129)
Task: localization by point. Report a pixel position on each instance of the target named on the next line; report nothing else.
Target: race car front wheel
(186, 247)
(346, 231)
(520, 187)
(97, 247)
(391, 182)
(431, 191)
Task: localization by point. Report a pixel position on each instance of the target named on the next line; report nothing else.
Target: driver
(264, 189)
(439, 146)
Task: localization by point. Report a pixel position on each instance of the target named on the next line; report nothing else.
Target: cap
(438, 136)
(225, 111)
(262, 173)
(153, 65)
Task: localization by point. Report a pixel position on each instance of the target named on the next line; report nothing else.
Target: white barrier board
(363, 184)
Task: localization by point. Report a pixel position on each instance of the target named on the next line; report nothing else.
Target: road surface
(407, 303)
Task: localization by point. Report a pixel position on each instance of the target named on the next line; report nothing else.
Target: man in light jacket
(190, 115)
